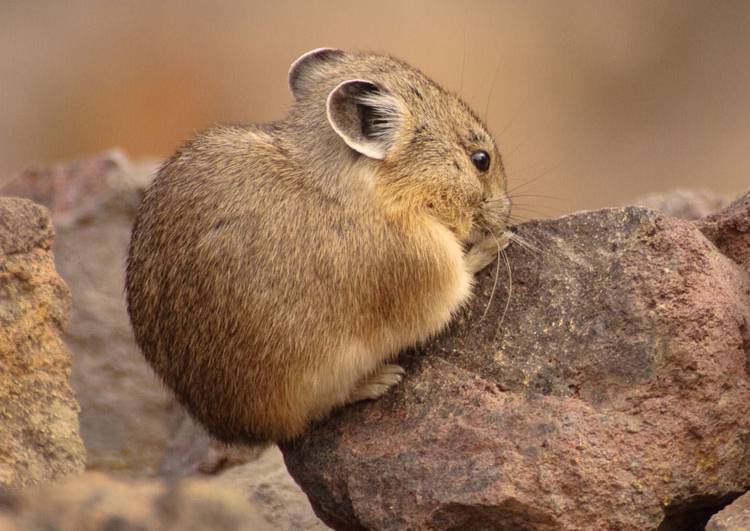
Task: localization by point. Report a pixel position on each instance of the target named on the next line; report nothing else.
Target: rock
(125, 410)
(39, 433)
(734, 517)
(729, 230)
(611, 392)
(74, 190)
(95, 502)
(130, 424)
(257, 471)
(191, 450)
(684, 203)
(269, 485)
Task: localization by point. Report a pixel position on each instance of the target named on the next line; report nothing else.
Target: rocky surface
(39, 433)
(95, 502)
(130, 425)
(611, 393)
(269, 485)
(729, 230)
(734, 517)
(125, 411)
(191, 450)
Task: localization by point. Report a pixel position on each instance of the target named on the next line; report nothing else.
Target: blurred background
(592, 103)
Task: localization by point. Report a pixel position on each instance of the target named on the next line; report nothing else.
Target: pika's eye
(481, 160)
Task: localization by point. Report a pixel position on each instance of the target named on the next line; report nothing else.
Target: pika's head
(429, 150)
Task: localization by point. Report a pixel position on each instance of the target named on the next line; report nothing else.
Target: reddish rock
(39, 437)
(734, 517)
(729, 230)
(95, 502)
(611, 393)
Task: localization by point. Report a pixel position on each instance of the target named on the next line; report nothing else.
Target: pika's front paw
(378, 383)
(485, 251)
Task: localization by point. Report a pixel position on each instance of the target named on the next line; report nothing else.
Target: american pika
(275, 270)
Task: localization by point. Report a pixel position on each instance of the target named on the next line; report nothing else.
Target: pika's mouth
(494, 214)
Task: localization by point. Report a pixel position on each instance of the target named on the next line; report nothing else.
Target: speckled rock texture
(734, 517)
(613, 391)
(729, 230)
(95, 502)
(125, 410)
(39, 433)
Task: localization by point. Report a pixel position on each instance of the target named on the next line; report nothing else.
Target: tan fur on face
(273, 269)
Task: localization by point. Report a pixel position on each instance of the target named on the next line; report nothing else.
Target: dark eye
(481, 160)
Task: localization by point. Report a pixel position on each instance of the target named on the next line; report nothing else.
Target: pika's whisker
(497, 275)
(510, 292)
(524, 184)
(536, 196)
(524, 243)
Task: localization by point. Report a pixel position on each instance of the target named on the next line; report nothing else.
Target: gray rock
(268, 484)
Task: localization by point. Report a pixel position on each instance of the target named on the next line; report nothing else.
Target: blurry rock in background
(124, 408)
(683, 203)
(96, 502)
(130, 425)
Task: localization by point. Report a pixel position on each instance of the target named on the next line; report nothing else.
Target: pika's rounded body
(274, 270)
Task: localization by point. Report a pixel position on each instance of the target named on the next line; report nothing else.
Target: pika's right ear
(303, 70)
(365, 116)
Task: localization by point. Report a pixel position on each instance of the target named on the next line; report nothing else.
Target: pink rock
(734, 517)
(612, 393)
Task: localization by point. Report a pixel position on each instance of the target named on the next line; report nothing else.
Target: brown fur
(273, 270)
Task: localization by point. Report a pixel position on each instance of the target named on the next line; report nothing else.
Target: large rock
(611, 392)
(734, 517)
(125, 410)
(39, 437)
(95, 502)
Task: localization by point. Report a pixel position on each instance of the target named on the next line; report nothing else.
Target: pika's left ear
(365, 116)
(310, 68)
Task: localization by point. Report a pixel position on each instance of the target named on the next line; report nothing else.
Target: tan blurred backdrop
(594, 102)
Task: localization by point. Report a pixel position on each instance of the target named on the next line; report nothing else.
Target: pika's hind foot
(378, 383)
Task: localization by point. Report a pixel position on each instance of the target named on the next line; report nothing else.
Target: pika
(276, 270)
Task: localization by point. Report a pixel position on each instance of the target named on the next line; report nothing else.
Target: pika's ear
(365, 116)
(303, 70)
